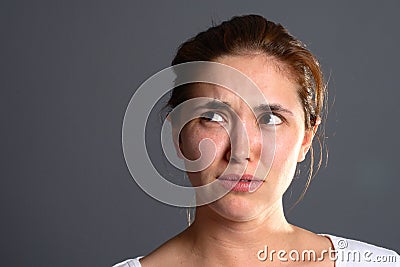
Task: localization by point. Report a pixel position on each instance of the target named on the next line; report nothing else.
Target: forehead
(269, 83)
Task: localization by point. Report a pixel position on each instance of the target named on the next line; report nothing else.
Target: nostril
(238, 155)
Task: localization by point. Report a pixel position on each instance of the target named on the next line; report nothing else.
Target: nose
(244, 143)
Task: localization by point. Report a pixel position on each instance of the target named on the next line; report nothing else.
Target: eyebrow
(272, 107)
(216, 104)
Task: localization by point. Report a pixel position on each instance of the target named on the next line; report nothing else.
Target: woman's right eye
(212, 116)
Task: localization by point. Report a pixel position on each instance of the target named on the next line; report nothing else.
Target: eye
(270, 119)
(212, 116)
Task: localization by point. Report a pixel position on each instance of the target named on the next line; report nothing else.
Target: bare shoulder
(171, 253)
(313, 248)
(312, 240)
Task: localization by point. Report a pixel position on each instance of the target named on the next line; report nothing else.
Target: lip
(237, 183)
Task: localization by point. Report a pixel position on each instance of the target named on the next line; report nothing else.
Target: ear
(176, 138)
(307, 140)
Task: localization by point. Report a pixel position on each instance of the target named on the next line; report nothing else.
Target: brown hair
(251, 34)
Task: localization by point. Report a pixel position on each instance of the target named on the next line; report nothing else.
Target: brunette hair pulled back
(252, 35)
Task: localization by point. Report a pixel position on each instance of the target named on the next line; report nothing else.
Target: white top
(349, 253)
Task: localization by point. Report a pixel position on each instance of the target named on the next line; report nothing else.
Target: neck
(215, 237)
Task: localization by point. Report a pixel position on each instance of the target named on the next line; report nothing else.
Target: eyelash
(209, 118)
(209, 115)
(278, 117)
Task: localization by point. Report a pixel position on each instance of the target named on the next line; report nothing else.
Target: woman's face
(250, 157)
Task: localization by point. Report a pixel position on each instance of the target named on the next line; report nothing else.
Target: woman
(256, 144)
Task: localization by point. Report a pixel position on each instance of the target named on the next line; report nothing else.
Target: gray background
(68, 70)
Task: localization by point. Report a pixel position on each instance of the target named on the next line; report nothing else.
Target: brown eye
(212, 116)
(270, 119)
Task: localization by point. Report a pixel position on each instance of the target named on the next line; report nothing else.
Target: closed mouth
(243, 178)
(237, 183)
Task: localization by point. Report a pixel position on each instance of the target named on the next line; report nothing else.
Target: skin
(231, 230)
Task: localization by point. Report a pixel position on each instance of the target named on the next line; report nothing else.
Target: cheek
(287, 148)
(189, 144)
(195, 138)
(286, 153)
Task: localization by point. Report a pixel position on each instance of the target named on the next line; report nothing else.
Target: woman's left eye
(270, 119)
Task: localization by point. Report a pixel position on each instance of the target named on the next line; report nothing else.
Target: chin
(236, 208)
